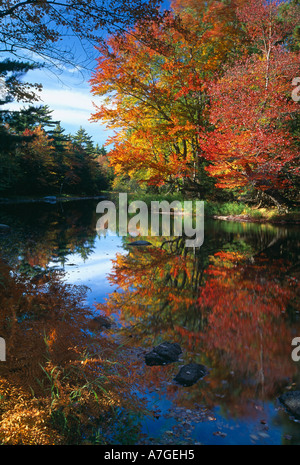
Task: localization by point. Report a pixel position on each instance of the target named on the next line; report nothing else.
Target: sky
(68, 93)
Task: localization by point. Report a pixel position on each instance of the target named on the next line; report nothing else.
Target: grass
(234, 209)
(227, 208)
(256, 214)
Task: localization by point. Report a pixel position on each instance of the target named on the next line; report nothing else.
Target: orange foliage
(156, 99)
(58, 375)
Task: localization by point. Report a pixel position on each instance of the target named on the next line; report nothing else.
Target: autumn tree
(157, 99)
(38, 158)
(251, 146)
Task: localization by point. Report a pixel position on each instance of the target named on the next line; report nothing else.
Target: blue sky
(68, 94)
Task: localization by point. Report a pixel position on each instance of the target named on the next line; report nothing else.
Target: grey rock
(291, 401)
(50, 199)
(139, 243)
(166, 352)
(190, 374)
(100, 322)
(4, 228)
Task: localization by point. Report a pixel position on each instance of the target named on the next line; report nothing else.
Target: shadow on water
(231, 306)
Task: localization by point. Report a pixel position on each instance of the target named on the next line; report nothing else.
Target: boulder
(166, 352)
(190, 374)
(100, 322)
(4, 228)
(139, 243)
(50, 199)
(291, 401)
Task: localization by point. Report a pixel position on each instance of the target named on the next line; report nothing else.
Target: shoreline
(248, 219)
(292, 218)
(49, 199)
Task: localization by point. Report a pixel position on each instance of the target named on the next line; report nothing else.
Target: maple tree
(251, 107)
(213, 97)
(156, 98)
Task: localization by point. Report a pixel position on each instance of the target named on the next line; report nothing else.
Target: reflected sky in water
(92, 272)
(64, 237)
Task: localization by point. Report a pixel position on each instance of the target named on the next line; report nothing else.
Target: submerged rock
(139, 243)
(4, 228)
(50, 199)
(190, 374)
(291, 401)
(166, 352)
(100, 322)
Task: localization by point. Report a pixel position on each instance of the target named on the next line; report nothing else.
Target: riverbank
(268, 217)
(227, 211)
(49, 199)
(237, 211)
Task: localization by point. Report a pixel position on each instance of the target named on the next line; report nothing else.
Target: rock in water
(190, 374)
(139, 243)
(291, 401)
(164, 353)
(50, 199)
(100, 322)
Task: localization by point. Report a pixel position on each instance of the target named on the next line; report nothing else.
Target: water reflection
(227, 307)
(231, 305)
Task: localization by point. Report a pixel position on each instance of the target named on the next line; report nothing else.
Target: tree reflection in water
(231, 310)
(231, 305)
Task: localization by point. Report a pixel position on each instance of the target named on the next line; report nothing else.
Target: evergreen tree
(12, 86)
(100, 151)
(30, 118)
(59, 138)
(84, 140)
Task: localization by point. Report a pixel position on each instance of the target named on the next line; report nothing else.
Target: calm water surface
(232, 306)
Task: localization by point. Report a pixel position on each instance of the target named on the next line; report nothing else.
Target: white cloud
(72, 107)
(61, 98)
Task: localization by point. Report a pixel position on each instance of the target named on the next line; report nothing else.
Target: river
(231, 305)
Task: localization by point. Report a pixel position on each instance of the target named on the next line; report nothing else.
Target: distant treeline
(38, 158)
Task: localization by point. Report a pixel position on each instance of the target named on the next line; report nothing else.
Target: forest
(37, 158)
(201, 99)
